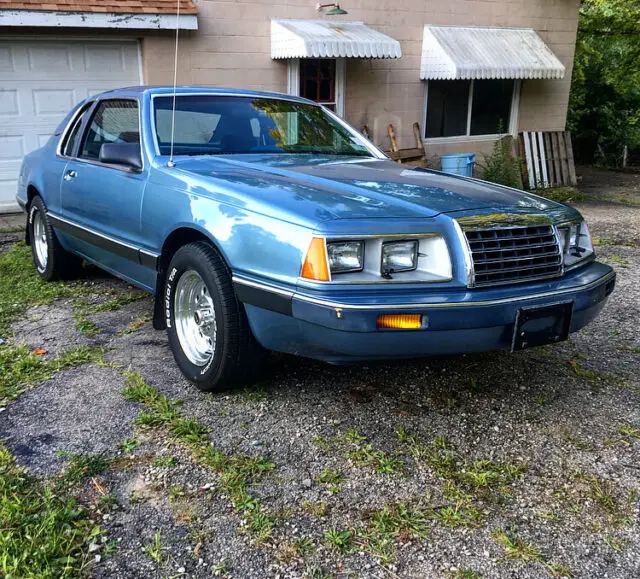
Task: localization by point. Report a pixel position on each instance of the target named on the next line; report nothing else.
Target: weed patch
(20, 368)
(518, 550)
(21, 286)
(466, 479)
(237, 472)
(44, 533)
(354, 447)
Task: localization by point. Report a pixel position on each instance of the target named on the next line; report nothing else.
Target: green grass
(481, 478)
(83, 465)
(165, 462)
(463, 574)
(354, 447)
(83, 309)
(129, 444)
(17, 229)
(21, 287)
(333, 478)
(237, 472)
(44, 533)
(20, 368)
(561, 194)
(518, 550)
(595, 378)
(340, 541)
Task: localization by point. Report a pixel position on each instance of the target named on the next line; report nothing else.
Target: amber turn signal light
(400, 321)
(315, 265)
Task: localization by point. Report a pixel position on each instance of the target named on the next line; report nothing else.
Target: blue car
(262, 221)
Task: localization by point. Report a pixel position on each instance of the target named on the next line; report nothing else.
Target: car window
(216, 124)
(191, 127)
(72, 135)
(114, 121)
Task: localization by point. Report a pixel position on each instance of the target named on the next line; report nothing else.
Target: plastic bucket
(460, 164)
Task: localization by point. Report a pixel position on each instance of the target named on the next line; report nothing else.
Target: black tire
(59, 263)
(237, 357)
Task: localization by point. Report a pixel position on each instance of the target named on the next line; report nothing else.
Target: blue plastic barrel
(459, 164)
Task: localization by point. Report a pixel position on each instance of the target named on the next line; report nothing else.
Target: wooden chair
(414, 156)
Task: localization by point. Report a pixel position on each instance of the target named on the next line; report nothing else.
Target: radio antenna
(171, 163)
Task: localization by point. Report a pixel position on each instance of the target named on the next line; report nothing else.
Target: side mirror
(127, 154)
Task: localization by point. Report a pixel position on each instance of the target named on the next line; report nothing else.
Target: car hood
(330, 187)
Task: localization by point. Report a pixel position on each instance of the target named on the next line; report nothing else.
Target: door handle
(69, 175)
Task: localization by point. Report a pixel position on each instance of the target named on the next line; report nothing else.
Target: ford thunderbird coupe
(262, 221)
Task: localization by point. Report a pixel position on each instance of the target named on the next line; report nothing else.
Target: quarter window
(114, 121)
(72, 136)
(469, 107)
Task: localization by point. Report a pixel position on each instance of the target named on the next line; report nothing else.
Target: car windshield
(217, 125)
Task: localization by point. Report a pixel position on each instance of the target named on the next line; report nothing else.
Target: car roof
(139, 91)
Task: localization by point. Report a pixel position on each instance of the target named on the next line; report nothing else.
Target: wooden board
(548, 159)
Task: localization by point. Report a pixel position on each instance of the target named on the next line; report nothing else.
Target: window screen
(114, 121)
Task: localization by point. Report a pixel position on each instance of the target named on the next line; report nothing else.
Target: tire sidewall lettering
(167, 296)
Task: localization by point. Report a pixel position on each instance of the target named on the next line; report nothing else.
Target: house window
(321, 80)
(459, 108)
(318, 81)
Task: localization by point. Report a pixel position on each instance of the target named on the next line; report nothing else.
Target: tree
(604, 106)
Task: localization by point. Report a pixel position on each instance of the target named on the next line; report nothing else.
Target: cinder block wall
(233, 48)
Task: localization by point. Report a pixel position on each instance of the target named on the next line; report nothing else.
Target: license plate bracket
(540, 325)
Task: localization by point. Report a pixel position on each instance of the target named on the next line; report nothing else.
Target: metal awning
(323, 39)
(452, 52)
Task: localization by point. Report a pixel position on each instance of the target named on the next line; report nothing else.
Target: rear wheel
(206, 325)
(51, 260)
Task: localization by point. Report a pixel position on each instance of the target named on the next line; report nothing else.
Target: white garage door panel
(41, 82)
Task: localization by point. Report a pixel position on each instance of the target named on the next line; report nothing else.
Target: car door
(103, 201)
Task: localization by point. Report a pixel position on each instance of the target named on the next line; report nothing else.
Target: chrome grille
(514, 254)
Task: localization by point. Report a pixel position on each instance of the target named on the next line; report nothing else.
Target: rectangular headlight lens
(399, 256)
(345, 256)
(575, 242)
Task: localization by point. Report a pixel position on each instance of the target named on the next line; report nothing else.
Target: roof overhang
(323, 39)
(56, 19)
(452, 52)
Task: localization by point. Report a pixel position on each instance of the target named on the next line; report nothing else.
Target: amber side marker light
(315, 265)
(400, 321)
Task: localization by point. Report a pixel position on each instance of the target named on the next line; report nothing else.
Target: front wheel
(206, 325)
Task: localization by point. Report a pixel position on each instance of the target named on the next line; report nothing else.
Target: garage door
(41, 81)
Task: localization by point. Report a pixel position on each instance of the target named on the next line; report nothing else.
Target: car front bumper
(341, 327)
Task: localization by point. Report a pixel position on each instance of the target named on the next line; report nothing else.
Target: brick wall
(232, 48)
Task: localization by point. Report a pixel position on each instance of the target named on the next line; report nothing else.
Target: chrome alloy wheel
(195, 318)
(40, 240)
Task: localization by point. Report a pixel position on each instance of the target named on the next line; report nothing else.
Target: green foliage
(502, 166)
(604, 106)
(21, 287)
(44, 533)
(21, 368)
(83, 465)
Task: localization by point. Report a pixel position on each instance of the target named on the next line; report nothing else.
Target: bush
(502, 166)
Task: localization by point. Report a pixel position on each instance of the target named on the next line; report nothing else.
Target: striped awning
(453, 52)
(324, 39)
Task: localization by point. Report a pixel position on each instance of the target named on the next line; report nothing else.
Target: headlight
(575, 243)
(345, 256)
(399, 256)
(378, 259)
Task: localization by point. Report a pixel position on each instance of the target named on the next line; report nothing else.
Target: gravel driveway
(493, 465)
